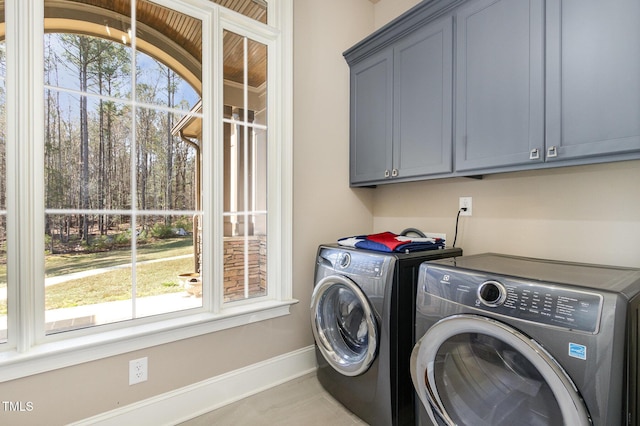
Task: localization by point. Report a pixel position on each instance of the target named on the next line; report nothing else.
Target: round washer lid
(344, 325)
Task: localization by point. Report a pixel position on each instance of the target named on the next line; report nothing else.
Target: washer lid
(474, 370)
(344, 325)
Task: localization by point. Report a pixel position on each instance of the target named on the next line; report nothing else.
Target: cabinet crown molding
(413, 19)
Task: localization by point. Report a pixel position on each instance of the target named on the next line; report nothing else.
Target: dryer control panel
(545, 303)
(361, 264)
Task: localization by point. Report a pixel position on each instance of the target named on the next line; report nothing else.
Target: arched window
(140, 192)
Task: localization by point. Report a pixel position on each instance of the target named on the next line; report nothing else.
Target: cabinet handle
(386, 173)
(534, 154)
(394, 173)
(552, 152)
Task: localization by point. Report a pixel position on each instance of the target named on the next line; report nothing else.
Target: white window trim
(28, 355)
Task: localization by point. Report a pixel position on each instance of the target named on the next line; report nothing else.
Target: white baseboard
(191, 401)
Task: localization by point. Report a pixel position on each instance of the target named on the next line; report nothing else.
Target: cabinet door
(593, 83)
(499, 83)
(371, 118)
(422, 143)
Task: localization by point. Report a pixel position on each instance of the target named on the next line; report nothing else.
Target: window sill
(65, 353)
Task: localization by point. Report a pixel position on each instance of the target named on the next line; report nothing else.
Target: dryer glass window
(348, 333)
(484, 381)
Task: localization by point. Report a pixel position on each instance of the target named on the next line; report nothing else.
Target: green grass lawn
(151, 279)
(62, 264)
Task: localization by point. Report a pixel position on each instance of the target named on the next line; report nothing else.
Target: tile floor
(301, 401)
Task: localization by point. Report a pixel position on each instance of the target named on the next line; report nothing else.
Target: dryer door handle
(422, 384)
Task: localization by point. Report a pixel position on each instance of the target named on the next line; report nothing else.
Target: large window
(148, 182)
(120, 199)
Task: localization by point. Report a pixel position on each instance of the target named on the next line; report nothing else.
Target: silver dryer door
(344, 325)
(473, 370)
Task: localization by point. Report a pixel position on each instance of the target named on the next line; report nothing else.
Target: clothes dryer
(362, 317)
(507, 340)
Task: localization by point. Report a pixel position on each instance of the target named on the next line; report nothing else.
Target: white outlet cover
(467, 203)
(138, 370)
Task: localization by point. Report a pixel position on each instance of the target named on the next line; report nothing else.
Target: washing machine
(505, 340)
(362, 317)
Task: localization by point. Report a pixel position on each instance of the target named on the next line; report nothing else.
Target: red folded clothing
(390, 242)
(388, 239)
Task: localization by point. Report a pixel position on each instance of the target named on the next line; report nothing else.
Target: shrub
(102, 242)
(184, 222)
(161, 231)
(122, 239)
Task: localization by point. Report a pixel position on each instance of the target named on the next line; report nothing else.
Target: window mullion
(213, 165)
(280, 172)
(24, 23)
(245, 160)
(133, 164)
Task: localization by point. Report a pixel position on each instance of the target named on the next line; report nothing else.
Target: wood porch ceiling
(167, 35)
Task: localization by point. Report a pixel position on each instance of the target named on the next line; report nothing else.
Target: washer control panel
(361, 264)
(545, 303)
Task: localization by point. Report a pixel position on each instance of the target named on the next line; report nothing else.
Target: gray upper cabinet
(423, 98)
(499, 83)
(371, 118)
(401, 108)
(593, 79)
(524, 84)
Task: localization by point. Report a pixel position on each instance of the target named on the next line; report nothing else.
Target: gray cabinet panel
(371, 117)
(401, 108)
(593, 85)
(536, 84)
(499, 83)
(422, 143)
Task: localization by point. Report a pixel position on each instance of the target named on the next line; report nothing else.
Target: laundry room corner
(325, 208)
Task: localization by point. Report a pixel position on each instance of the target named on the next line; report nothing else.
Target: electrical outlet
(137, 371)
(465, 202)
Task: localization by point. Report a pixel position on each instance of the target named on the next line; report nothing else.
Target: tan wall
(324, 209)
(585, 214)
(387, 10)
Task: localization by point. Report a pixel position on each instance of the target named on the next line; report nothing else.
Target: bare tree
(81, 53)
(110, 73)
(88, 139)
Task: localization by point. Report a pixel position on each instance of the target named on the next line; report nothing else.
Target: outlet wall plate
(466, 202)
(138, 370)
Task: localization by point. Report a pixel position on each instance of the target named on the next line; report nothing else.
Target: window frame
(28, 350)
